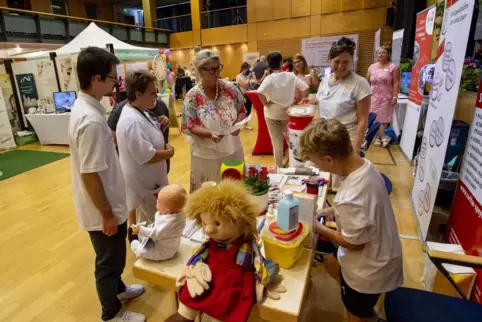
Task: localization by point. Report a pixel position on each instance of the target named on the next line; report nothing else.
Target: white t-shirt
(338, 100)
(280, 88)
(364, 215)
(92, 150)
(242, 79)
(138, 138)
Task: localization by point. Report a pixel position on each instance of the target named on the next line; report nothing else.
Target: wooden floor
(47, 262)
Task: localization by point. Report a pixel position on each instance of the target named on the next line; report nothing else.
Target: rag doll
(227, 274)
(160, 240)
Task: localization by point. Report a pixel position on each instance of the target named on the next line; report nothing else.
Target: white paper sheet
(238, 125)
(451, 248)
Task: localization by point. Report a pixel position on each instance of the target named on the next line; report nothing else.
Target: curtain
(405, 18)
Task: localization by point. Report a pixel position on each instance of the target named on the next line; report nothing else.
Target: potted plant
(256, 181)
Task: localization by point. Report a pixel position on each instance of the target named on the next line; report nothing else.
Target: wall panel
(264, 10)
(330, 6)
(349, 5)
(367, 4)
(224, 35)
(282, 9)
(352, 21)
(300, 8)
(181, 40)
(287, 28)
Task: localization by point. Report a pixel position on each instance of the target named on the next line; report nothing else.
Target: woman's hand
(216, 137)
(235, 133)
(394, 101)
(163, 120)
(135, 229)
(170, 150)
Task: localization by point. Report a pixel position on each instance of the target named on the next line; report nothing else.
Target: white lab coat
(160, 240)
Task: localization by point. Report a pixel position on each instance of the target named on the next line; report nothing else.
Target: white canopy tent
(97, 37)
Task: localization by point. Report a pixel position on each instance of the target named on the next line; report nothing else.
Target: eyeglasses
(114, 79)
(215, 70)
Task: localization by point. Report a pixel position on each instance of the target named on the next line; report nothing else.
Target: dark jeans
(110, 261)
(248, 104)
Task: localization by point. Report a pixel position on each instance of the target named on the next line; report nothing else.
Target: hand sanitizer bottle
(288, 207)
(270, 217)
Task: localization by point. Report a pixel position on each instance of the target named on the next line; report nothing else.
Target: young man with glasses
(98, 183)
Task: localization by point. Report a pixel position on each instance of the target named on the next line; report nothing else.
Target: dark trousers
(110, 261)
(248, 104)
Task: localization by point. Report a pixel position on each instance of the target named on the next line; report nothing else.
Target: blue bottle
(288, 208)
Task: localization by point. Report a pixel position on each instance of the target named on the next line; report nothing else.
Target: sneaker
(126, 316)
(131, 292)
(386, 141)
(378, 142)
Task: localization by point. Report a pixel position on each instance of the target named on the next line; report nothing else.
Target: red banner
(465, 222)
(421, 52)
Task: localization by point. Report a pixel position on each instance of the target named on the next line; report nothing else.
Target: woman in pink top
(384, 78)
(300, 68)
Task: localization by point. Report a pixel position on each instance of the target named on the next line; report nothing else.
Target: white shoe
(131, 292)
(126, 316)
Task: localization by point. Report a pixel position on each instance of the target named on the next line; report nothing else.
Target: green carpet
(19, 161)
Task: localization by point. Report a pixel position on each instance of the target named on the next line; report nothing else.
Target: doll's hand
(273, 289)
(196, 277)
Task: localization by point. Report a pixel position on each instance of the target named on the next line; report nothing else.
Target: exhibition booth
(46, 83)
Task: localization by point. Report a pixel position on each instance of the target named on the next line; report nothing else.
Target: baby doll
(160, 240)
(227, 273)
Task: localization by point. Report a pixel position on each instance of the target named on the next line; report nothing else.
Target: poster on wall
(67, 74)
(443, 96)
(397, 43)
(251, 58)
(377, 44)
(7, 140)
(316, 50)
(28, 92)
(421, 57)
(465, 221)
(10, 104)
(47, 84)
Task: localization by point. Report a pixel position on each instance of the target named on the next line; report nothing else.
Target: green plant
(257, 180)
(405, 65)
(470, 79)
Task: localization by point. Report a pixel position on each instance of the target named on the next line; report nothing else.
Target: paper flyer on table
(238, 125)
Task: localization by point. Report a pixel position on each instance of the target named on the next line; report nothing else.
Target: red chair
(263, 144)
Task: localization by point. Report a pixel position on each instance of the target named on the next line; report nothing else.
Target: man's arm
(95, 190)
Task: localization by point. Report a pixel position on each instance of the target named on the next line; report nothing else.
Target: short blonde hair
(325, 137)
(228, 200)
(202, 58)
(138, 81)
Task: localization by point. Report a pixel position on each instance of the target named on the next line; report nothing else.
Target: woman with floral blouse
(211, 108)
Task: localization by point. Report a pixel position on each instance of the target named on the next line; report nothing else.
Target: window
(91, 10)
(59, 7)
(19, 4)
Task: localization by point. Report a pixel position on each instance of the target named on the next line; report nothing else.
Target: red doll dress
(231, 293)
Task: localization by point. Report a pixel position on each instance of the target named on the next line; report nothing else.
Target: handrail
(180, 16)
(48, 14)
(224, 9)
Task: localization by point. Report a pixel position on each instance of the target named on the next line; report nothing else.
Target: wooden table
(287, 309)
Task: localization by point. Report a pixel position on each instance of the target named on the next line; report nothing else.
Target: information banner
(6, 135)
(465, 222)
(316, 50)
(421, 53)
(443, 96)
(28, 92)
(397, 43)
(377, 44)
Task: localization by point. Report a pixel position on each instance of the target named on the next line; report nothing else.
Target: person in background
(307, 75)
(244, 82)
(187, 73)
(98, 184)
(180, 72)
(210, 108)
(369, 257)
(384, 78)
(344, 95)
(260, 70)
(142, 149)
(287, 65)
(277, 93)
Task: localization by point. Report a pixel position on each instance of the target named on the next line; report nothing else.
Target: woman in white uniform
(142, 149)
(344, 95)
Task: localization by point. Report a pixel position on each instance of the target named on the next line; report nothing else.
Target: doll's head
(225, 211)
(171, 199)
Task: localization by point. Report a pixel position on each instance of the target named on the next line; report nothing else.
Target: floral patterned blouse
(218, 115)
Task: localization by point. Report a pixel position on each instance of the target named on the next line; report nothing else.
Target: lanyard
(145, 116)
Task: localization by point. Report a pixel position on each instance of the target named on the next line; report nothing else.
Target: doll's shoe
(126, 316)
(131, 292)
(378, 142)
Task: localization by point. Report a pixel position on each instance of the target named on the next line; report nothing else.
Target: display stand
(263, 144)
(300, 117)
